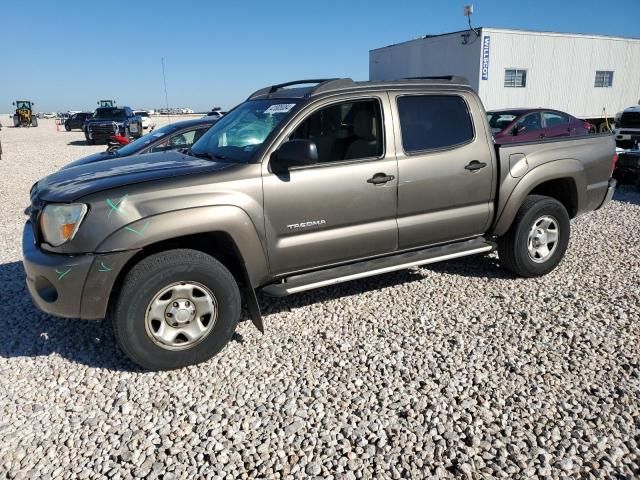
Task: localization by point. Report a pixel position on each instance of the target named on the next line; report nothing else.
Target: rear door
(445, 166)
(557, 124)
(344, 207)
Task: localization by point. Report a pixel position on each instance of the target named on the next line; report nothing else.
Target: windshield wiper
(210, 156)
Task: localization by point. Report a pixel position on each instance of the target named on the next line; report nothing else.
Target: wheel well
(219, 245)
(564, 190)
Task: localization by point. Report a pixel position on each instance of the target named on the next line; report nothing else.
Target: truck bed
(573, 166)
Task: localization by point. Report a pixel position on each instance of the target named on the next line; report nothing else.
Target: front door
(529, 128)
(338, 209)
(446, 168)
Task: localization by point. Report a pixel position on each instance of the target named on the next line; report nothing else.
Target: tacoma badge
(311, 223)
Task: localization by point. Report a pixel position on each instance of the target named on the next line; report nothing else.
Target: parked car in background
(49, 115)
(108, 121)
(216, 113)
(169, 137)
(295, 189)
(525, 125)
(147, 121)
(76, 121)
(627, 127)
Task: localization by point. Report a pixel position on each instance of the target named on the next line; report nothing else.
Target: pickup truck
(303, 185)
(627, 131)
(109, 121)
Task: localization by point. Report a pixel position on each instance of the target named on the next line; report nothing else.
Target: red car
(525, 125)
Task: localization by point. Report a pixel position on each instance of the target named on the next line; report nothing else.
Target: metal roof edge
(557, 34)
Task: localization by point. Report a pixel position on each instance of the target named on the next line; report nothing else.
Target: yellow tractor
(24, 116)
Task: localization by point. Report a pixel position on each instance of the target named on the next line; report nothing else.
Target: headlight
(60, 222)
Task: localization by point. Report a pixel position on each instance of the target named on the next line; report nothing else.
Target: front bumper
(70, 286)
(627, 135)
(610, 191)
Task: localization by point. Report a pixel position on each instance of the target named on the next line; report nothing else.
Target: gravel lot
(456, 370)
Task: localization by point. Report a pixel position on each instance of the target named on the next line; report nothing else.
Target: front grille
(630, 120)
(104, 130)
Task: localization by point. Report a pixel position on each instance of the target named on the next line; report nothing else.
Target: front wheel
(537, 239)
(176, 308)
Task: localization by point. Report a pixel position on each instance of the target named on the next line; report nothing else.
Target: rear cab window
(433, 122)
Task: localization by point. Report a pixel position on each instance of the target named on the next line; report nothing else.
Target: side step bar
(377, 266)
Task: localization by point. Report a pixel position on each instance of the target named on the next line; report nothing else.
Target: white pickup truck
(627, 131)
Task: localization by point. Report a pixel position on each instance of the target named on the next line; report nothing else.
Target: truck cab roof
(316, 87)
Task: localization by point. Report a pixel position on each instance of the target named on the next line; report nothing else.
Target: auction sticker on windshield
(280, 108)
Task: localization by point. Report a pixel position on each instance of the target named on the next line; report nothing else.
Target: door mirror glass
(295, 153)
(515, 130)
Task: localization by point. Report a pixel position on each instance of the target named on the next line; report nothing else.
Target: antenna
(166, 98)
(468, 11)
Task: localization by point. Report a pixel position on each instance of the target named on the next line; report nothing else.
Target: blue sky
(71, 53)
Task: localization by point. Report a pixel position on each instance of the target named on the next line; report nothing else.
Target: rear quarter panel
(523, 166)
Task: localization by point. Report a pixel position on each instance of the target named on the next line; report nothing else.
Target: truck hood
(69, 184)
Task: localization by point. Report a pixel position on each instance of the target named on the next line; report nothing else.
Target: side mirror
(295, 153)
(515, 130)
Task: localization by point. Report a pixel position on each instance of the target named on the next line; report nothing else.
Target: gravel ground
(457, 370)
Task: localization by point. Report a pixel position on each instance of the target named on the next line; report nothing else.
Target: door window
(182, 139)
(529, 123)
(344, 131)
(552, 119)
(432, 122)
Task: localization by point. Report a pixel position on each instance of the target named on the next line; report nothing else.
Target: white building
(587, 76)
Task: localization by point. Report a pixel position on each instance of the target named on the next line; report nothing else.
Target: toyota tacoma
(305, 184)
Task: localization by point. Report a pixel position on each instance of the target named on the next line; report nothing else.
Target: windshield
(145, 140)
(238, 135)
(21, 105)
(110, 113)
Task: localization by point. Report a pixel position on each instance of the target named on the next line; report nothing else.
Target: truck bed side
(574, 170)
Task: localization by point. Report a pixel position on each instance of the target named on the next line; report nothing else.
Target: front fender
(228, 219)
(511, 197)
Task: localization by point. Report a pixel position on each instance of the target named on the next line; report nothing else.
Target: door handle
(475, 165)
(380, 178)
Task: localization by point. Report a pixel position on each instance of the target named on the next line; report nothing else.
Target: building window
(515, 78)
(604, 78)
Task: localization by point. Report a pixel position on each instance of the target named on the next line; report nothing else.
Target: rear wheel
(67, 127)
(537, 239)
(34, 121)
(176, 308)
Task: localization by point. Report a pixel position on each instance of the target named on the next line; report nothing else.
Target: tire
(137, 330)
(514, 246)
(90, 141)
(67, 127)
(34, 121)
